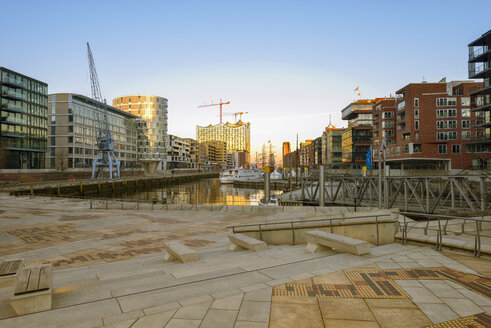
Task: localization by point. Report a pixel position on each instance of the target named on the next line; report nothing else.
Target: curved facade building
(237, 136)
(152, 143)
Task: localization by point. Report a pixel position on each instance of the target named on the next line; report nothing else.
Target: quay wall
(36, 176)
(91, 187)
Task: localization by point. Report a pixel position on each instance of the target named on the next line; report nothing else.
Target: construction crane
(235, 115)
(219, 104)
(105, 143)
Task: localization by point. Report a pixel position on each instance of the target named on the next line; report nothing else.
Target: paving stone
(390, 303)
(332, 278)
(263, 295)
(228, 303)
(337, 323)
(278, 281)
(157, 320)
(474, 297)
(123, 317)
(438, 312)
(440, 289)
(462, 306)
(345, 308)
(294, 300)
(183, 323)
(250, 324)
(400, 318)
(161, 308)
(219, 319)
(289, 315)
(195, 300)
(195, 311)
(421, 295)
(121, 324)
(254, 311)
(254, 287)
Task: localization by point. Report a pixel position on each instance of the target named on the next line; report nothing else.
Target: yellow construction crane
(235, 115)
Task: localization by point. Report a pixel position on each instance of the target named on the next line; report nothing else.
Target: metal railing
(444, 222)
(292, 225)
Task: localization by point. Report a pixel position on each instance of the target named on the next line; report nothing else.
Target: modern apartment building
(480, 68)
(305, 153)
(332, 147)
(317, 151)
(178, 153)
(212, 153)
(23, 121)
(357, 137)
(434, 125)
(237, 136)
(193, 153)
(72, 129)
(153, 112)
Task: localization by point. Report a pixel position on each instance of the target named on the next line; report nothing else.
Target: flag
(369, 159)
(357, 89)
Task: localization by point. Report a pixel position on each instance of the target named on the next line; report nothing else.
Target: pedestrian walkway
(109, 270)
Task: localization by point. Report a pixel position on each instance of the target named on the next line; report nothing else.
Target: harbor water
(202, 192)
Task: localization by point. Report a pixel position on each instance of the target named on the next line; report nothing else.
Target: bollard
(267, 191)
(322, 186)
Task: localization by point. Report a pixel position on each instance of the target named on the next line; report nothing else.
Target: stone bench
(180, 252)
(9, 270)
(33, 290)
(240, 241)
(317, 238)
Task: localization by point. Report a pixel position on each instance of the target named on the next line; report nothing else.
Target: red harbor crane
(217, 104)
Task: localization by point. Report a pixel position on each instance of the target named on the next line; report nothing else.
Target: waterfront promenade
(109, 270)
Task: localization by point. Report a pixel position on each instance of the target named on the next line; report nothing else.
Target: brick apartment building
(433, 126)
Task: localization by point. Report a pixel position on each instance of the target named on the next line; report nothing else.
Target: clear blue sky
(290, 64)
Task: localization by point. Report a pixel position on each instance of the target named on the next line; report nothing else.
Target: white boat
(239, 174)
(272, 202)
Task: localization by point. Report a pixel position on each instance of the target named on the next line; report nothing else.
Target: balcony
(479, 70)
(9, 107)
(401, 106)
(478, 53)
(13, 83)
(479, 103)
(13, 95)
(11, 120)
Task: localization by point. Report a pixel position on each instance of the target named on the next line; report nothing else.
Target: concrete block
(35, 301)
(339, 243)
(10, 272)
(180, 252)
(247, 242)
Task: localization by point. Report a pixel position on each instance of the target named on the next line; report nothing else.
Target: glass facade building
(72, 130)
(153, 132)
(23, 121)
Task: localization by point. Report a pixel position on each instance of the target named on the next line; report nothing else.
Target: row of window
(452, 124)
(452, 135)
(442, 149)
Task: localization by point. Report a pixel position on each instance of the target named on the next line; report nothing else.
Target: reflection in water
(207, 191)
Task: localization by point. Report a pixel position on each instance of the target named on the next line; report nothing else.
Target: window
(416, 136)
(465, 101)
(466, 135)
(466, 112)
(416, 102)
(417, 148)
(441, 102)
(416, 125)
(441, 136)
(416, 113)
(466, 124)
(442, 125)
(388, 115)
(442, 149)
(452, 135)
(452, 113)
(456, 149)
(387, 124)
(406, 149)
